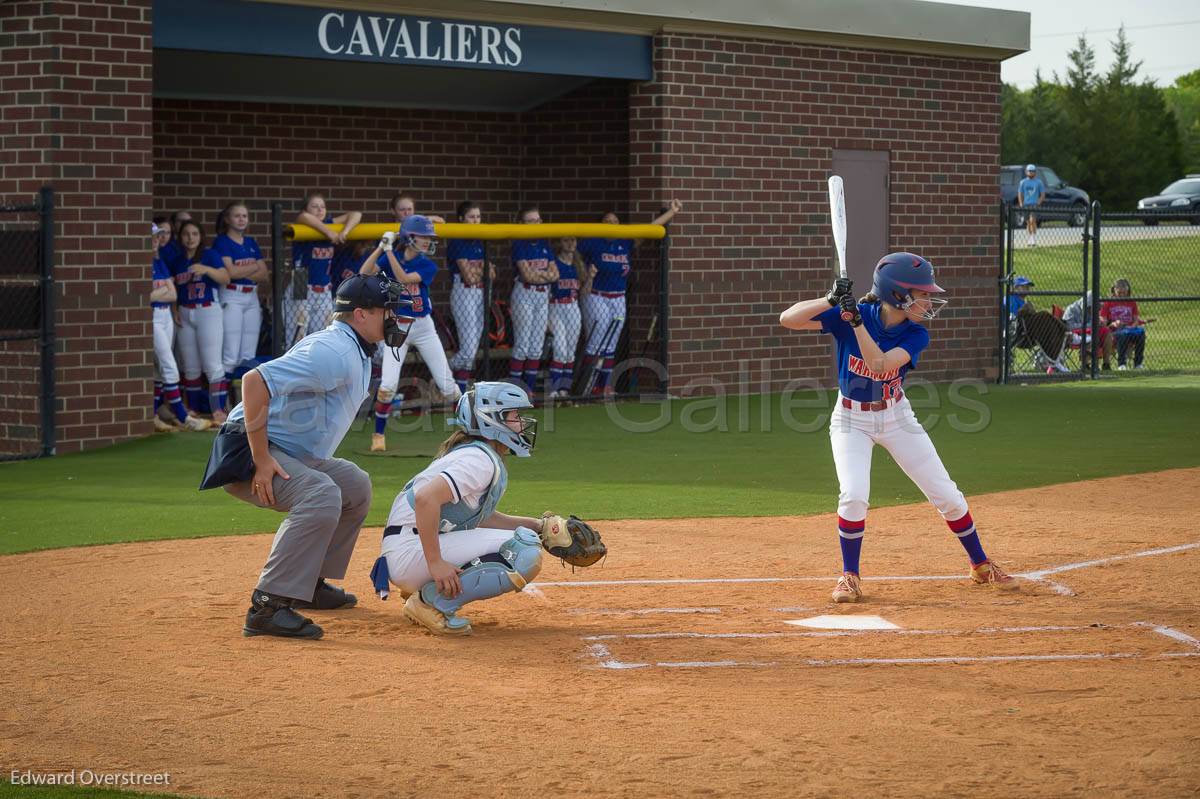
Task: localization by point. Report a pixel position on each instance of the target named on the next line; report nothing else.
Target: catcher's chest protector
(460, 515)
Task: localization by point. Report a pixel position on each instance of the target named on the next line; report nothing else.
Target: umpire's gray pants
(326, 502)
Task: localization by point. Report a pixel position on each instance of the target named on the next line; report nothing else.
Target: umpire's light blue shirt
(316, 391)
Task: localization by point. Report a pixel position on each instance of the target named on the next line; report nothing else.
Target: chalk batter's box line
(603, 656)
(1035, 576)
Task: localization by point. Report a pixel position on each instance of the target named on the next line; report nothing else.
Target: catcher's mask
(481, 412)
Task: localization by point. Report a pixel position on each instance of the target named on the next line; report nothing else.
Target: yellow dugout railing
(368, 231)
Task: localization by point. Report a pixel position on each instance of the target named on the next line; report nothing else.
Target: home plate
(845, 623)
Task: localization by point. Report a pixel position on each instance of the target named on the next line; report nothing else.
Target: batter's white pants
(242, 317)
(200, 337)
(599, 312)
(564, 328)
(407, 567)
(530, 309)
(164, 340)
(466, 305)
(423, 335)
(854, 433)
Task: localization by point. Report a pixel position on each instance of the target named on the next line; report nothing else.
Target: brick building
(135, 107)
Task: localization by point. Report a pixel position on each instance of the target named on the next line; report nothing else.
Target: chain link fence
(27, 401)
(1138, 267)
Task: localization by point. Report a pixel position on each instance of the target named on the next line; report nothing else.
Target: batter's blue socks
(850, 536)
(964, 528)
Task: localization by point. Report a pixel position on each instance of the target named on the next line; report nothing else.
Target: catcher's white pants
(564, 327)
(200, 338)
(423, 335)
(164, 340)
(854, 433)
(530, 309)
(466, 305)
(407, 567)
(599, 313)
(242, 317)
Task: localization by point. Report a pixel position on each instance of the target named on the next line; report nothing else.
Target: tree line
(1115, 135)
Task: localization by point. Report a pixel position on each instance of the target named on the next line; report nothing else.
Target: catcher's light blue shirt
(316, 389)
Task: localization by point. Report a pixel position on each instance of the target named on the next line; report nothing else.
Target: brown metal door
(865, 174)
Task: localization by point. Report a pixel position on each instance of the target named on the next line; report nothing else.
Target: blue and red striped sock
(174, 400)
(158, 395)
(382, 411)
(516, 370)
(194, 393)
(531, 374)
(964, 528)
(850, 536)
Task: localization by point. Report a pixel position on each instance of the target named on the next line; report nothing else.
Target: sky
(1164, 35)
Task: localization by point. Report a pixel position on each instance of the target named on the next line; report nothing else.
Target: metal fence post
(664, 310)
(276, 274)
(486, 342)
(1089, 343)
(48, 338)
(1006, 284)
(1095, 320)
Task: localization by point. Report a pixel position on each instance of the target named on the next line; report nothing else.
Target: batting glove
(842, 287)
(387, 241)
(850, 311)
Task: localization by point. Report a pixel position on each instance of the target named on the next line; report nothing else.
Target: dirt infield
(130, 658)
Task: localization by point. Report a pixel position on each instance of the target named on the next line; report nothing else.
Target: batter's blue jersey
(465, 250)
(855, 380)
(317, 256)
(566, 288)
(611, 259)
(241, 254)
(419, 292)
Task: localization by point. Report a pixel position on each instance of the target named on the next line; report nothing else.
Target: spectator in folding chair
(1077, 317)
(1121, 315)
(1034, 329)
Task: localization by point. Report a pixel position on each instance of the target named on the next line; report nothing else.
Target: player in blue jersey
(199, 274)
(882, 340)
(169, 413)
(574, 278)
(604, 307)
(240, 311)
(416, 271)
(533, 261)
(466, 259)
(316, 258)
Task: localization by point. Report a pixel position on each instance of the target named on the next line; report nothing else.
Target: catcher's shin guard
(518, 561)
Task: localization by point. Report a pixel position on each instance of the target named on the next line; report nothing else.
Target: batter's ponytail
(868, 299)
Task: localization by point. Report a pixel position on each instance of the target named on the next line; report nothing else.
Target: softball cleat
(423, 614)
(378, 442)
(848, 588)
(988, 573)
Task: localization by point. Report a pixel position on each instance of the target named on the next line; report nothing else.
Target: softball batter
(604, 306)
(241, 313)
(445, 544)
(882, 340)
(535, 267)
(317, 258)
(199, 273)
(573, 278)
(466, 259)
(416, 271)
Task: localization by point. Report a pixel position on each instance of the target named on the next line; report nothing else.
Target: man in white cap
(1030, 193)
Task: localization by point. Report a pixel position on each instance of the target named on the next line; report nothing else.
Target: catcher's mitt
(572, 540)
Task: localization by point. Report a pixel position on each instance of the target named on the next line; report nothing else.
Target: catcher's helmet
(898, 274)
(481, 410)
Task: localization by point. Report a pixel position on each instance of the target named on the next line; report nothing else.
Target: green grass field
(1155, 267)
(738, 457)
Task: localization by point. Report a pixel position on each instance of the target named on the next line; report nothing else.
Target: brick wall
(744, 132)
(75, 85)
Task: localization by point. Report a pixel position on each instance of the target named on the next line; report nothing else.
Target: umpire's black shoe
(327, 597)
(273, 615)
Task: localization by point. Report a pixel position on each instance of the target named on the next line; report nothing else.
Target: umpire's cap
(371, 291)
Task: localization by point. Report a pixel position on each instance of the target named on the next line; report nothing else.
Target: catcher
(445, 543)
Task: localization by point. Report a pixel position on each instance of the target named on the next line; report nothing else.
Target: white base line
(1172, 633)
(715, 664)
(642, 611)
(1037, 576)
(844, 633)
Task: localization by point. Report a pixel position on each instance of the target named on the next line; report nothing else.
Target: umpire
(276, 451)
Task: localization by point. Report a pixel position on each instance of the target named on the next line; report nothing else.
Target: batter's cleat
(273, 615)
(165, 427)
(988, 573)
(327, 597)
(196, 424)
(378, 442)
(848, 588)
(423, 614)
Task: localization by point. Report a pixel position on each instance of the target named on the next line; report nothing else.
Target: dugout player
(276, 451)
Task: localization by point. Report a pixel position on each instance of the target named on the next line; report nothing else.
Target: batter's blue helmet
(481, 410)
(417, 225)
(898, 274)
